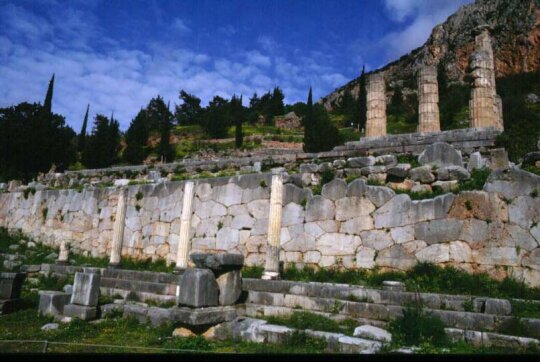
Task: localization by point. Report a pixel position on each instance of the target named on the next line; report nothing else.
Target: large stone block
(498, 306)
(52, 303)
(219, 262)
(198, 288)
(453, 173)
(319, 208)
(351, 207)
(359, 162)
(438, 231)
(86, 289)
(422, 174)
(230, 287)
(335, 189)
(11, 284)
(80, 311)
(512, 183)
(440, 154)
(372, 332)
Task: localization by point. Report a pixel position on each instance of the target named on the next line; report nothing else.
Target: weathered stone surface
(80, 311)
(372, 332)
(293, 214)
(394, 213)
(453, 173)
(276, 334)
(512, 183)
(379, 195)
(11, 285)
(402, 234)
(438, 231)
(335, 189)
(436, 253)
(242, 222)
(319, 208)
(376, 239)
(230, 287)
(292, 193)
(401, 170)
(183, 332)
(51, 303)
(524, 211)
(421, 189)
(532, 260)
(498, 306)
(308, 168)
(365, 257)
(499, 159)
(227, 195)
(496, 256)
(440, 154)
(50, 327)
(198, 288)
(460, 252)
(395, 257)
(359, 162)
(356, 225)
(445, 186)
(337, 244)
(351, 207)
(358, 345)
(247, 329)
(476, 161)
(422, 174)
(86, 289)
(218, 261)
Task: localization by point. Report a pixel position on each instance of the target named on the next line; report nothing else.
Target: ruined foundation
(376, 106)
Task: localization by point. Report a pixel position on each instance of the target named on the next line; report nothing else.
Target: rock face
(289, 121)
(514, 33)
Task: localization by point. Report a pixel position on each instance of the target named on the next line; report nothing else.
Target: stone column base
(270, 276)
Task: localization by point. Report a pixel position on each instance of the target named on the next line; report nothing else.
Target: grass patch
(316, 322)
(408, 158)
(477, 180)
(254, 272)
(416, 327)
(525, 309)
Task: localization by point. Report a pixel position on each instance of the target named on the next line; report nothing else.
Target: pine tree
(102, 146)
(82, 135)
(47, 104)
(362, 100)
(217, 118)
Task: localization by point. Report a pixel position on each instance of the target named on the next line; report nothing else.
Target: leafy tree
(217, 118)
(190, 111)
(237, 113)
(102, 146)
(136, 139)
(165, 150)
(82, 135)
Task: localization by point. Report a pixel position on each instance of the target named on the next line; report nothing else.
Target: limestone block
(183, 332)
(259, 209)
(532, 260)
(230, 287)
(334, 190)
(366, 171)
(414, 246)
(218, 262)
(440, 154)
(524, 211)
(406, 185)
(236, 210)
(312, 257)
(356, 225)
(352, 207)
(479, 205)
(476, 161)
(358, 345)
(293, 214)
(359, 162)
(313, 229)
(395, 257)
(319, 208)
(229, 194)
(499, 159)
(208, 209)
(51, 303)
(86, 289)
(422, 174)
(376, 239)
(402, 234)
(203, 191)
(247, 329)
(337, 244)
(460, 252)
(400, 170)
(308, 168)
(293, 193)
(373, 333)
(260, 227)
(243, 221)
(365, 257)
(421, 189)
(395, 212)
(276, 334)
(516, 236)
(436, 253)
(453, 173)
(377, 177)
(498, 306)
(327, 261)
(208, 228)
(198, 288)
(438, 231)
(80, 311)
(341, 163)
(512, 183)
(496, 256)
(11, 285)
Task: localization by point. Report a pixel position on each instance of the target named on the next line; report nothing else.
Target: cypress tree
(238, 114)
(362, 100)
(47, 104)
(82, 135)
(136, 139)
(309, 140)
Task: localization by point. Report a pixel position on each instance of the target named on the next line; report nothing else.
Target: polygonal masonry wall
(354, 225)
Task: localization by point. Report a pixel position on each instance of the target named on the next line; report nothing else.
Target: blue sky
(118, 54)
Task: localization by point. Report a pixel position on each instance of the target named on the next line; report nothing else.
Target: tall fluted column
(271, 269)
(185, 227)
(484, 106)
(376, 106)
(428, 100)
(118, 229)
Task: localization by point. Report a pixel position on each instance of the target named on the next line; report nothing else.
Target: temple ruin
(376, 106)
(428, 100)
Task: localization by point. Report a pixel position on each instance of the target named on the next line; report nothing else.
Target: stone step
(139, 296)
(139, 286)
(143, 276)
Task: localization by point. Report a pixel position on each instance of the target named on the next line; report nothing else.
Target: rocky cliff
(515, 29)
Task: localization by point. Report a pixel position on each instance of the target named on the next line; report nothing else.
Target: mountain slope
(515, 31)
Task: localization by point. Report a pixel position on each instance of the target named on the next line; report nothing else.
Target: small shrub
(263, 184)
(516, 327)
(468, 205)
(416, 326)
(255, 271)
(477, 180)
(303, 203)
(468, 305)
(220, 225)
(139, 196)
(27, 191)
(300, 338)
(138, 207)
(326, 176)
(534, 193)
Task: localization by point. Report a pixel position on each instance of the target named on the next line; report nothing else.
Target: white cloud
(257, 58)
(180, 26)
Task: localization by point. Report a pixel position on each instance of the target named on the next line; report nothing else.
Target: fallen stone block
(358, 345)
(83, 312)
(86, 289)
(50, 327)
(52, 303)
(276, 334)
(183, 332)
(110, 309)
(374, 333)
(230, 287)
(498, 306)
(247, 329)
(136, 311)
(440, 154)
(11, 284)
(218, 262)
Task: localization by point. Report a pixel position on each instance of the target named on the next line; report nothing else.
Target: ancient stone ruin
(376, 106)
(428, 100)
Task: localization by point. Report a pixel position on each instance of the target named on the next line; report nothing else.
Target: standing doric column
(376, 106)
(428, 100)
(185, 228)
(63, 255)
(484, 106)
(118, 229)
(271, 269)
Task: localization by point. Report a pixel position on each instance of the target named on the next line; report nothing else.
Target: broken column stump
(84, 299)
